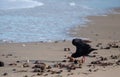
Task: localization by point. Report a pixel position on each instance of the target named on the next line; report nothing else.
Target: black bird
(82, 49)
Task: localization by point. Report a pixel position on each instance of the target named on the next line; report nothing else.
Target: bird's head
(76, 41)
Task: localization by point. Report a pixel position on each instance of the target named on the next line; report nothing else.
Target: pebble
(114, 57)
(1, 64)
(12, 64)
(118, 62)
(25, 65)
(66, 49)
(39, 74)
(37, 70)
(5, 74)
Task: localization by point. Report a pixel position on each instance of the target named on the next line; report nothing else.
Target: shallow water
(45, 20)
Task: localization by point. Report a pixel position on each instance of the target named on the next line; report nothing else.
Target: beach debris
(1, 64)
(103, 58)
(113, 45)
(37, 70)
(90, 70)
(64, 61)
(66, 49)
(48, 67)
(107, 47)
(9, 55)
(99, 63)
(4, 74)
(39, 73)
(25, 65)
(18, 61)
(96, 62)
(45, 75)
(37, 62)
(95, 52)
(118, 62)
(71, 59)
(12, 64)
(13, 69)
(39, 67)
(114, 57)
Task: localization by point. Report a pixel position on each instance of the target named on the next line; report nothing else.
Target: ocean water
(47, 20)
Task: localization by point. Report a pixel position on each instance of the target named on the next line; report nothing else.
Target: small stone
(13, 69)
(95, 62)
(46, 75)
(64, 61)
(90, 70)
(1, 64)
(25, 65)
(71, 59)
(18, 61)
(48, 70)
(42, 66)
(69, 70)
(39, 74)
(95, 52)
(114, 57)
(5, 74)
(118, 62)
(49, 67)
(12, 64)
(107, 48)
(9, 55)
(37, 70)
(52, 72)
(75, 62)
(66, 49)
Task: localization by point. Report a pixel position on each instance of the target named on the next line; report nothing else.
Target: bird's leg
(83, 59)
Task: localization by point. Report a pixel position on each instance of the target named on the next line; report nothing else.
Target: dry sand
(102, 30)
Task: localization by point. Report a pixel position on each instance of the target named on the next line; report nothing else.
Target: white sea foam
(72, 4)
(16, 4)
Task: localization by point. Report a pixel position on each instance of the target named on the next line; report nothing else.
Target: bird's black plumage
(82, 48)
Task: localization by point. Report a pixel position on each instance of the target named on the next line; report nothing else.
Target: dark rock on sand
(5, 74)
(114, 57)
(39, 67)
(1, 64)
(37, 70)
(118, 62)
(25, 65)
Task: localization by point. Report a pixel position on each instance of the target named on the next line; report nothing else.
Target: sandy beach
(100, 27)
(20, 58)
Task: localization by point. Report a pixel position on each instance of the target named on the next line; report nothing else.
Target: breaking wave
(16, 4)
